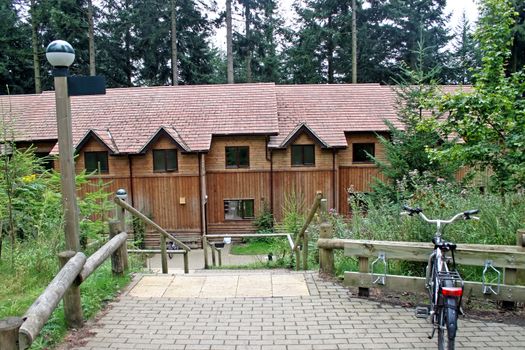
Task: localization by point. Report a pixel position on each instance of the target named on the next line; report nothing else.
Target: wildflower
(29, 178)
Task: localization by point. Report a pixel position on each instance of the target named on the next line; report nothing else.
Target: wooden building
(205, 158)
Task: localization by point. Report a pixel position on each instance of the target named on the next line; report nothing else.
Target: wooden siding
(216, 157)
(142, 165)
(359, 178)
(160, 198)
(345, 155)
(302, 184)
(239, 185)
(282, 159)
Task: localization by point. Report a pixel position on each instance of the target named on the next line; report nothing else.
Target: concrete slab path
(270, 310)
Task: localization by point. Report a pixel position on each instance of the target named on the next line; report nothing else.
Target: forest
(154, 42)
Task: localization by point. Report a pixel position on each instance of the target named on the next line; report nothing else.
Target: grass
(254, 247)
(20, 287)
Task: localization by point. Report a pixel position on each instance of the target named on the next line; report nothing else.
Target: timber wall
(172, 199)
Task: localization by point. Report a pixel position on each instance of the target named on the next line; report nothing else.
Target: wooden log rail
(163, 235)
(20, 332)
(509, 258)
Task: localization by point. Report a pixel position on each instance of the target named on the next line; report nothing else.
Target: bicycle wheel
(447, 320)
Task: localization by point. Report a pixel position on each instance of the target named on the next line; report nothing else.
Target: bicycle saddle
(444, 245)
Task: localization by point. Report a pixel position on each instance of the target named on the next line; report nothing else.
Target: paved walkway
(324, 317)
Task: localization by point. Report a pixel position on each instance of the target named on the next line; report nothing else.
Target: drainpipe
(200, 194)
(334, 187)
(131, 180)
(271, 182)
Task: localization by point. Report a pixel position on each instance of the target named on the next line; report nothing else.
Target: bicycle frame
(444, 286)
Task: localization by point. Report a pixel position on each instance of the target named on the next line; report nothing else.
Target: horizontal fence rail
(20, 332)
(39, 312)
(509, 259)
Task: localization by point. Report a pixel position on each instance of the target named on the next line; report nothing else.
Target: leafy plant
(491, 118)
(264, 221)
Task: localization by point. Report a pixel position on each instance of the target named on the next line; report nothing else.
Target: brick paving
(328, 318)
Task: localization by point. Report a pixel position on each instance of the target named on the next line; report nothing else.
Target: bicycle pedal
(422, 311)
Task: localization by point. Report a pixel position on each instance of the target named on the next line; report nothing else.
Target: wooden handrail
(313, 210)
(150, 222)
(39, 312)
(98, 258)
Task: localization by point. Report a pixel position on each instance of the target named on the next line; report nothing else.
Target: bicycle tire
(448, 321)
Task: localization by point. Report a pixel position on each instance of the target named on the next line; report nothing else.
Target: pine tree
(406, 148)
(465, 54)
(257, 48)
(15, 48)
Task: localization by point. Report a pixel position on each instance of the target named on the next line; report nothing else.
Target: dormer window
(303, 155)
(96, 161)
(165, 160)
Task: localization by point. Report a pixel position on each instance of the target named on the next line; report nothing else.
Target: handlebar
(466, 215)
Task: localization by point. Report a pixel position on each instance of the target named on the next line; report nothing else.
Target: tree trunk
(129, 68)
(34, 44)
(248, 43)
(91, 38)
(330, 52)
(354, 43)
(174, 60)
(229, 41)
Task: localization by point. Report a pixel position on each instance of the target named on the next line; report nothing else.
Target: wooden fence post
(513, 276)
(297, 258)
(117, 265)
(213, 262)
(520, 242)
(72, 301)
(163, 253)
(186, 263)
(122, 220)
(305, 251)
(205, 251)
(326, 256)
(363, 268)
(9, 333)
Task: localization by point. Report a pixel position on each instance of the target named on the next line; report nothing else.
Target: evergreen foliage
(491, 118)
(406, 149)
(15, 48)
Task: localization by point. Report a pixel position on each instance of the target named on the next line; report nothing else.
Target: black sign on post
(86, 85)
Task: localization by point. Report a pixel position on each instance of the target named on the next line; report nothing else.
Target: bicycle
(444, 285)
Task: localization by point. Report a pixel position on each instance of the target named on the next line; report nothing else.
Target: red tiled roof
(127, 119)
(134, 115)
(332, 110)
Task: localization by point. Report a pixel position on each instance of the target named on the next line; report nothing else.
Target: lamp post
(61, 55)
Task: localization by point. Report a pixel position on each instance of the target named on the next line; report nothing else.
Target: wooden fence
(20, 332)
(510, 260)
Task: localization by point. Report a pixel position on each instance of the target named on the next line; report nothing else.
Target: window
(95, 160)
(165, 160)
(238, 209)
(362, 152)
(238, 157)
(303, 155)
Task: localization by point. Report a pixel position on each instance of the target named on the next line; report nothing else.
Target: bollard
(9, 333)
